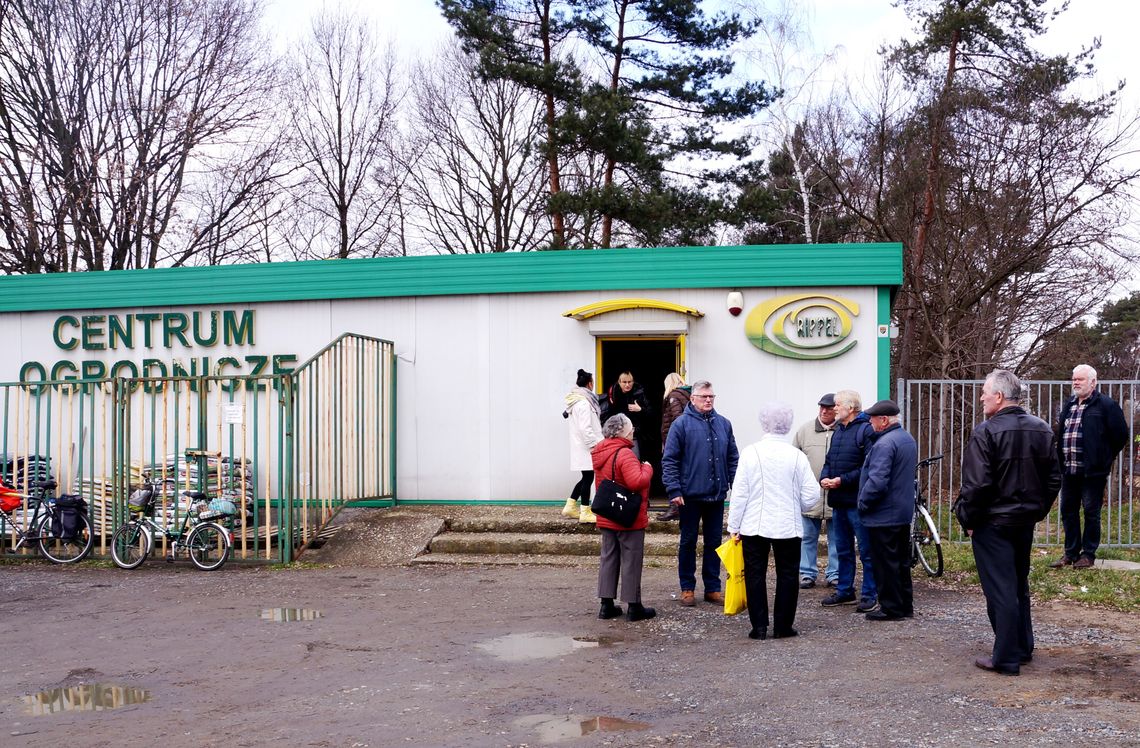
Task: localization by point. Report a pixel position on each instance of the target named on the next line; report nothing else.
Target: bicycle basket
(143, 500)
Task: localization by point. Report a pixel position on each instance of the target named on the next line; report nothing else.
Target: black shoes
(638, 612)
(609, 610)
(760, 634)
(879, 615)
(986, 663)
(786, 634)
(806, 584)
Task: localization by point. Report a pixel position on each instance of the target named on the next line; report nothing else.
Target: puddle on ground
(553, 728)
(288, 615)
(519, 647)
(95, 697)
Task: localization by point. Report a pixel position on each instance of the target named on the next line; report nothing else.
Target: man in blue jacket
(886, 508)
(697, 468)
(840, 476)
(1091, 431)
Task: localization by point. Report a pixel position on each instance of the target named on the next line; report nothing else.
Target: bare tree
(108, 110)
(780, 50)
(1033, 190)
(344, 99)
(478, 175)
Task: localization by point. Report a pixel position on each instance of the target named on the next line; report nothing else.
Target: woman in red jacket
(623, 548)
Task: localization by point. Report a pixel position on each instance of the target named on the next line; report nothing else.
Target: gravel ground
(515, 656)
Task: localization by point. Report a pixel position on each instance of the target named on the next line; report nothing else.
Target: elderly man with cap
(814, 439)
(886, 507)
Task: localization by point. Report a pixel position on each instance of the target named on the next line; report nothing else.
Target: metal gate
(289, 449)
(941, 414)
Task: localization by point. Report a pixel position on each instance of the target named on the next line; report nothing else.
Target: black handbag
(614, 501)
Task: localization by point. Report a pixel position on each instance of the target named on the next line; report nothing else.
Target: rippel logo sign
(803, 326)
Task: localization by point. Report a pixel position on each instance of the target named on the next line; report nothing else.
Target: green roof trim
(786, 265)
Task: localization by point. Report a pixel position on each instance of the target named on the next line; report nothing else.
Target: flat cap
(828, 400)
(883, 408)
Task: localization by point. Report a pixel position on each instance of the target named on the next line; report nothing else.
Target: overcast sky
(859, 26)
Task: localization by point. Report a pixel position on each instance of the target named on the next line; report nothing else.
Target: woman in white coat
(582, 412)
(774, 486)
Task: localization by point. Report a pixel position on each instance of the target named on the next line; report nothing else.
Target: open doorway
(650, 359)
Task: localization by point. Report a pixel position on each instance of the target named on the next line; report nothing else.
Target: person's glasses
(705, 397)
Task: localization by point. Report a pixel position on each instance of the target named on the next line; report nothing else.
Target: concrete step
(529, 559)
(546, 523)
(555, 544)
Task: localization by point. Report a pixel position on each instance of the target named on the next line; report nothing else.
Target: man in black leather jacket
(1010, 479)
(1091, 431)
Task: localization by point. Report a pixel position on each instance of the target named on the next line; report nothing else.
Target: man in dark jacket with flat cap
(886, 508)
(1010, 478)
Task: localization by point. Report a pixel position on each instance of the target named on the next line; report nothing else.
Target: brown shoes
(986, 663)
(1061, 562)
(1084, 562)
(688, 599)
(714, 597)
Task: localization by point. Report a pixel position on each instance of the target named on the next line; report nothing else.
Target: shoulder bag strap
(613, 465)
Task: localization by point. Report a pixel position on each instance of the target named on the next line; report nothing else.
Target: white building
(486, 345)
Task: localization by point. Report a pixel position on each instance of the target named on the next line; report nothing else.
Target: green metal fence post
(286, 458)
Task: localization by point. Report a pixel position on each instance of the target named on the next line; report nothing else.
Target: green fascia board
(787, 265)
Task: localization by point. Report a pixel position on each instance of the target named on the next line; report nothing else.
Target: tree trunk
(611, 162)
(913, 268)
(558, 223)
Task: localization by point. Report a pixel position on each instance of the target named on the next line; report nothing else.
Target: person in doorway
(840, 476)
(697, 468)
(774, 486)
(677, 396)
(623, 548)
(628, 398)
(1010, 479)
(886, 508)
(1090, 432)
(582, 411)
(814, 439)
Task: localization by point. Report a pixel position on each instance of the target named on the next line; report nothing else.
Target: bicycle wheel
(926, 544)
(209, 546)
(130, 545)
(62, 551)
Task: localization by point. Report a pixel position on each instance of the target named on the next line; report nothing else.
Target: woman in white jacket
(582, 412)
(774, 486)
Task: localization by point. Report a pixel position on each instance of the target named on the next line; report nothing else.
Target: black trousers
(1002, 557)
(581, 490)
(890, 563)
(787, 554)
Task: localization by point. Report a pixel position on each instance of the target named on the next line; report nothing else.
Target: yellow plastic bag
(732, 556)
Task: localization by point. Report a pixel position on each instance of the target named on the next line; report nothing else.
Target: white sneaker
(586, 516)
(571, 509)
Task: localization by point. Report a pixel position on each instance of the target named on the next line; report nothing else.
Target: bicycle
(207, 542)
(45, 526)
(925, 543)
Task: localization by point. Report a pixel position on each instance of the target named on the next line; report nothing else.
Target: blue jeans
(848, 529)
(693, 514)
(1082, 492)
(809, 550)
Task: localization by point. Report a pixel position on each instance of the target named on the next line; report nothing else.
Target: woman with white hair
(774, 486)
(623, 548)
